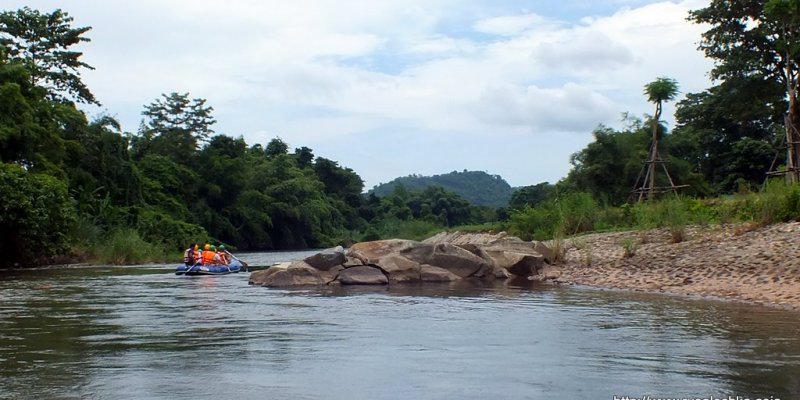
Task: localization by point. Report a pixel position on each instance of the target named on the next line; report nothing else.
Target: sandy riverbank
(739, 262)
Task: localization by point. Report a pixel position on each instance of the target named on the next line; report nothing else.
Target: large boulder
(399, 269)
(429, 273)
(371, 252)
(298, 273)
(521, 264)
(490, 270)
(450, 257)
(362, 275)
(526, 264)
(547, 252)
(327, 259)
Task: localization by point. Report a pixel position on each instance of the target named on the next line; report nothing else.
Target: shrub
(125, 246)
(160, 228)
(629, 245)
(577, 212)
(35, 216)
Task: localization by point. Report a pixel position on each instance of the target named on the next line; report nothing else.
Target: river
(141, 332)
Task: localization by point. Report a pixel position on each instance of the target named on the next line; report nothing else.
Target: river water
(143, 333)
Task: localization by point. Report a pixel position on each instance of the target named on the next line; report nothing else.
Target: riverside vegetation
(76, 189)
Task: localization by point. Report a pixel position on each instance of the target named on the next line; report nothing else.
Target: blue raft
(234, 266)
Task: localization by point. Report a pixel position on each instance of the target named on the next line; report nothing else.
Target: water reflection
(143, 332)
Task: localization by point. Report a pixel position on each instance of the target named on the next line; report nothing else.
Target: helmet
(207, 247)
(196, 247)
(222, 247)
(214, 248)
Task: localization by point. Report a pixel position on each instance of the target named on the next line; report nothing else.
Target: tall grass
(577, 213)
(125, 246)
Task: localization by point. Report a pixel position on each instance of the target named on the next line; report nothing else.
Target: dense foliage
(478, 187)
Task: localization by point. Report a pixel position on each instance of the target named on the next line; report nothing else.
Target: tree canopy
(42, 43)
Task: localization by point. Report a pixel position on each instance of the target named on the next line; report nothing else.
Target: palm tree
(661, 90)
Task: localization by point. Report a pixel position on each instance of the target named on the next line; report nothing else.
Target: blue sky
(397, 87)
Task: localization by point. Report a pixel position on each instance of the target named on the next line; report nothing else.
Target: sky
(391, 88)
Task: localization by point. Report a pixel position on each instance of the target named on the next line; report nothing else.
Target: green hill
(478, 187)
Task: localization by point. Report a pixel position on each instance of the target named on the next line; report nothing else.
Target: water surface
(143, 333)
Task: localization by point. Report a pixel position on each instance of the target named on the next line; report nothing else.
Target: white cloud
(582, 49)
(509, 25)
(571, 108)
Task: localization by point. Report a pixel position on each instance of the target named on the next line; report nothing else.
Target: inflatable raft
(234, 266)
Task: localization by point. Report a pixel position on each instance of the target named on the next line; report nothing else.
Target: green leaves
(660, 90)
(35, 214)
(42, 42)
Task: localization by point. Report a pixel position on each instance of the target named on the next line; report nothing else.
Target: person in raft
(190, 256)
(198, 254)
(225, 256)
(210, 256)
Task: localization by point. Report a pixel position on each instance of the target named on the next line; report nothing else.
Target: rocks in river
(446, 257)
(362, 275)
(327, 259)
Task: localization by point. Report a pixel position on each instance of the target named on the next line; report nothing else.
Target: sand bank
(739, 262)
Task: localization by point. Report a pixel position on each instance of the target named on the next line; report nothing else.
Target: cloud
(570, 108)
(582, 49)
(509, 25)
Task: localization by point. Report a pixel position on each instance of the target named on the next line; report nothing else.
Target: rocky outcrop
(450, 257)
(429, 273)
(362, 275)
(371, 252)
(327, 259)
(446, 257)
(298, 273)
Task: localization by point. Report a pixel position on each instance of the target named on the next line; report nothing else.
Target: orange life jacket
(208, 257)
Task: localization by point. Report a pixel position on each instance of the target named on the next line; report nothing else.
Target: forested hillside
(478, 187)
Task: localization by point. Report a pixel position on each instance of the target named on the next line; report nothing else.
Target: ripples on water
(142, 332)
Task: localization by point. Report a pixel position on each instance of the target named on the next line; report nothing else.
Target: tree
(713, 126)
(176, 112)
(530, 195)
(35, 214)
(42, 43)
(276, 147)
(175, 127)
(607, 167)
(661, 90)
(30, 125)
(759, 40)
(305, 156)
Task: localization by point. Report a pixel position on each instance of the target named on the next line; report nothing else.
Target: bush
(629, 245)
(534, 223)
(160, 228)
(577, 212)
(125, 246)
(35, 216)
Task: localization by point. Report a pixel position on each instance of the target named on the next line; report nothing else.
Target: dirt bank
(740, 262)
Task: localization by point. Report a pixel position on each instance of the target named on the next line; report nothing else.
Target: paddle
(191, 268)
(244, 264)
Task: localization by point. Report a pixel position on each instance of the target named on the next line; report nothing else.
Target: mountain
(478, 187)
